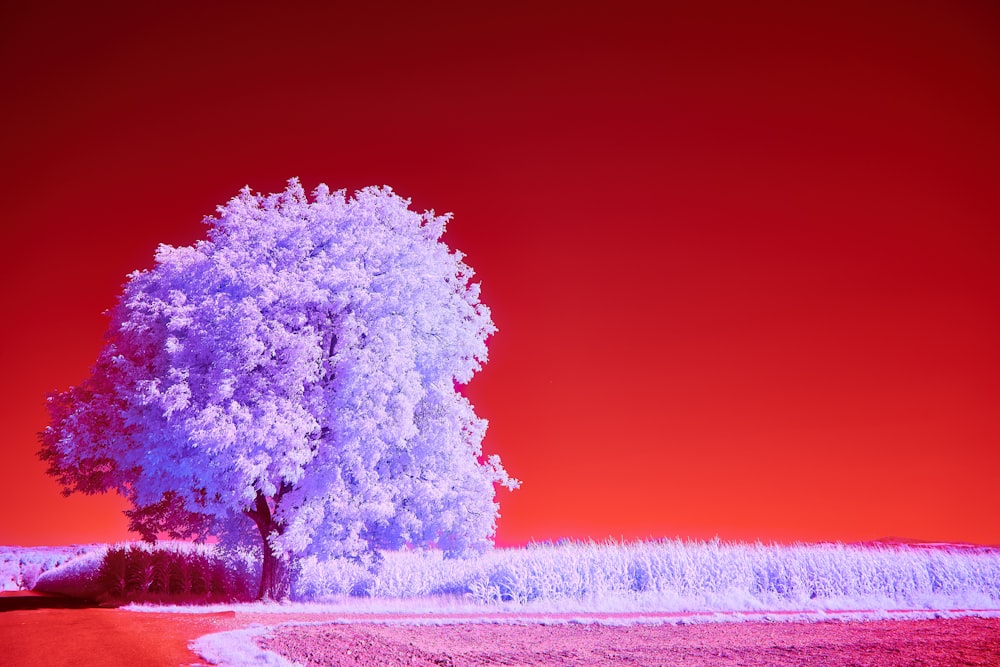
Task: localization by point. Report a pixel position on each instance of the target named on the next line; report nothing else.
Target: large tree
(293, 377)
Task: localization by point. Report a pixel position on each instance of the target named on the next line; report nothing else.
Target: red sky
(743, 256)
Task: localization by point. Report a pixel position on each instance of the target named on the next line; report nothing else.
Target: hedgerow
(170, 573)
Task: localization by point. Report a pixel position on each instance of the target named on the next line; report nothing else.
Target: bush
(78, 577)
(20, 567)
(169, 573)
(112, 574)
(29, 573)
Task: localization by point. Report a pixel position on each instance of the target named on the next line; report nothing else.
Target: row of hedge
(134, 573)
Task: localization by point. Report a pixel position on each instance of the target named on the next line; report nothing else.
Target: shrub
(168, 573)
(113, 572)
(138, 571)
(159, 585)
(28, 575)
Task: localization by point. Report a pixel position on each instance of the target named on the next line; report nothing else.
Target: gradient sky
(744, 257)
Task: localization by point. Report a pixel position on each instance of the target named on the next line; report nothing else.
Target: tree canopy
(296, 372)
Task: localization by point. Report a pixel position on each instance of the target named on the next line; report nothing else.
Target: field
(644, 603)
(887, 643)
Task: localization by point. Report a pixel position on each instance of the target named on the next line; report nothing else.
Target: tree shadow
(28, 600)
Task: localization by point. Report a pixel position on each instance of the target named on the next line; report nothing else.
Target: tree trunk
(275, 582)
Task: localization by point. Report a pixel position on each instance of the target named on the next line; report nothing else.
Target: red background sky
(743, 256)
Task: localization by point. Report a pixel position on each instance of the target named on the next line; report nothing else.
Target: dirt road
(40, 632)
(106, 637)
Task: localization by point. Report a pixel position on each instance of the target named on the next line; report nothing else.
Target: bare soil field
(938, 643)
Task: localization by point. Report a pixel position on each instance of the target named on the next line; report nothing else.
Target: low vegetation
(168, 572)
(664, 575)
(20, 567)
(138, 573)
(674, 575)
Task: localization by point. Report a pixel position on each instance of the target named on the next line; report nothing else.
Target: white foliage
(75, 578)
(239, 648)
(671, 575)
(655, 576)
(21, 567)
(309, 352)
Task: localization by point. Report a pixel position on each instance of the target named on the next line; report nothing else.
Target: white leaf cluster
(308, 351)
(675, 576)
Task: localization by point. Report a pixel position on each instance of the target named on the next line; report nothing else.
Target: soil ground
(937, 643)
(51, 632)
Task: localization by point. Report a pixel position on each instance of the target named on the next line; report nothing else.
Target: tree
(292, 380)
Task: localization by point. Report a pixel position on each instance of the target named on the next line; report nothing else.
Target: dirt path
(106, 637)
